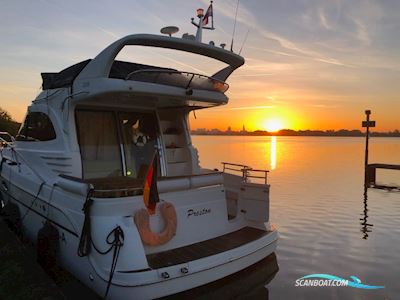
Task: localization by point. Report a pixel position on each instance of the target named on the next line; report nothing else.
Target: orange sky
(320, 69)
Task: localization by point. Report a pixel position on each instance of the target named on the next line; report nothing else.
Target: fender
(12, 216)
(47, 247)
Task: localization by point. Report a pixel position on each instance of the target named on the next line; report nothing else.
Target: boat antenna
(234, 24)
(244, 41)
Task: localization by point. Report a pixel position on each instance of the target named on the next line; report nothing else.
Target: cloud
(108, 32)
(246, 108)
(323, 20)
(249, 20)
(362, 32)
(323, 106)
(333, 61)
(252, 75)
(272, 51)
(252, 107)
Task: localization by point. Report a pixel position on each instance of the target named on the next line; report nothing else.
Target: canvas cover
(65, 78)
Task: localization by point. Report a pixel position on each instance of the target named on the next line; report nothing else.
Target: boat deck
(206, 248)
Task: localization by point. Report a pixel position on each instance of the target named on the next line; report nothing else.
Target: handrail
(5, 133)
(232, 164)
(246, 171)
(260, 177)
(191, 82)
(243, 169)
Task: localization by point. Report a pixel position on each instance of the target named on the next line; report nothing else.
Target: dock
(370, 172)
(370, 169)
(21, 277)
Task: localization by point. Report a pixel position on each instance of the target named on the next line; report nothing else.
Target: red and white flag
(209, 13)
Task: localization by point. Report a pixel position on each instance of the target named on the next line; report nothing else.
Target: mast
(200, 26)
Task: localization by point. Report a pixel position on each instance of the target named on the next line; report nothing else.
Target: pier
(20, 276)
(370, 169)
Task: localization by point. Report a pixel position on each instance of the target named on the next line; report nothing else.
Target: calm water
(326, 224)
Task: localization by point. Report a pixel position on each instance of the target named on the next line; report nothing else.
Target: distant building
(215, 131)
(200, 131)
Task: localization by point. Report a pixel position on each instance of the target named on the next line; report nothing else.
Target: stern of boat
(222, 227)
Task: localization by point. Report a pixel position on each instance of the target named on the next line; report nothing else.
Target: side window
(36, 127)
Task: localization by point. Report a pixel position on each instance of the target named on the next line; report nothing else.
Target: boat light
(219, 86)
(200, 12)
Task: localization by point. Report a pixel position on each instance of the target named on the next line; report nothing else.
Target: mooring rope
(115, 239)
(86, 239)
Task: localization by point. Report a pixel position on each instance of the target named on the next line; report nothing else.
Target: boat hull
(148, 283)
(224, 265)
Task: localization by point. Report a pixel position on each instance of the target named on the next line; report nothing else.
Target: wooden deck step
(206, 248)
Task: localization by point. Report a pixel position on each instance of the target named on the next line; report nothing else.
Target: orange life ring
(150, 238)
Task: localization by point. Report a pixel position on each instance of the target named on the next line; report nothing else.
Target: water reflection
(273, 153)
(250, 283)
(365, 226)
(317, 189)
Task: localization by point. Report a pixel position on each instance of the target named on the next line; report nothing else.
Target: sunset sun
(272, 125)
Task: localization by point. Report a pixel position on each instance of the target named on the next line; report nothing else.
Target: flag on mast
(209, 13)
(150, 191)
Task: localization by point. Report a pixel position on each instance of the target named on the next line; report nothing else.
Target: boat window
(139, 134)
(99, 145)
(36, 127)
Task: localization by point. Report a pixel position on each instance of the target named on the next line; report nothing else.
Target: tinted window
(37, 127)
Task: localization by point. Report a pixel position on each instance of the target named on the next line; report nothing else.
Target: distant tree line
(290, 132)
(7, 123)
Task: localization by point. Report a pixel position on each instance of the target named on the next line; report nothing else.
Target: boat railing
(6, 139)
(186, 80)
(246, 171)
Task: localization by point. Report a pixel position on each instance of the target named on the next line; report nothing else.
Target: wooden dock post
(369, 173)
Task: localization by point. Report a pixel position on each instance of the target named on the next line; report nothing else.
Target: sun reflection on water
(273, 153)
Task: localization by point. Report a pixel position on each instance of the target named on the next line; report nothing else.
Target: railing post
(370, 175)
(245, 174)
(367, 123)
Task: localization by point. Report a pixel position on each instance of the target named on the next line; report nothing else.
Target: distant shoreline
(288, 132)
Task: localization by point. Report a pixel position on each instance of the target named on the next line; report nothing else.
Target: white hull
(193, 280)
(147, 284)
(103, 140)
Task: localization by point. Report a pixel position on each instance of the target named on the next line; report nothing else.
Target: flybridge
(104, 64)
(100, 66)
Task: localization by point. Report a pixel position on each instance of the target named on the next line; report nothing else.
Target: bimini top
(104, 65)
(119, 70)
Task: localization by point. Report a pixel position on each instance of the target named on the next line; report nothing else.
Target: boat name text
(196, 213)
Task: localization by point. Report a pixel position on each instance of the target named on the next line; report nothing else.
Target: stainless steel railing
(246, 171)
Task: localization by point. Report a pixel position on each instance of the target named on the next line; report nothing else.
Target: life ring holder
(142, 221)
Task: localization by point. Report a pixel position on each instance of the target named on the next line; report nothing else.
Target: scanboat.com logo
(331, 280)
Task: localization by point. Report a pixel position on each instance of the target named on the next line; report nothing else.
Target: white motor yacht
(104, 179)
